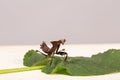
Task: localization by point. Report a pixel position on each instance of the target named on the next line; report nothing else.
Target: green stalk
(4, 71)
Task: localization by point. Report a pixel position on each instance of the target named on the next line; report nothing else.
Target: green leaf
(32, 57)
(99, 64)
(60, 70)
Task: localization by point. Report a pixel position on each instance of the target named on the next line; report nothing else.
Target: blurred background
(28, 22)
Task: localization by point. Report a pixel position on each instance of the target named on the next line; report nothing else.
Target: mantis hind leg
(51, 61)
(41, 53)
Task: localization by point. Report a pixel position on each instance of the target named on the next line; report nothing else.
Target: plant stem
(4, 71)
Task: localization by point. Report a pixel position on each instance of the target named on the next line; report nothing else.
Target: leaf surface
(99, 64)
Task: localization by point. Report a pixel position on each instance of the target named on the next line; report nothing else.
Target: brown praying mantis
(49, 52)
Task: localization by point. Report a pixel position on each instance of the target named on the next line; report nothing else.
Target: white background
(79, 21)
(12, 57)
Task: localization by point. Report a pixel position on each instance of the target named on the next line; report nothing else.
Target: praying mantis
(50, 52)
